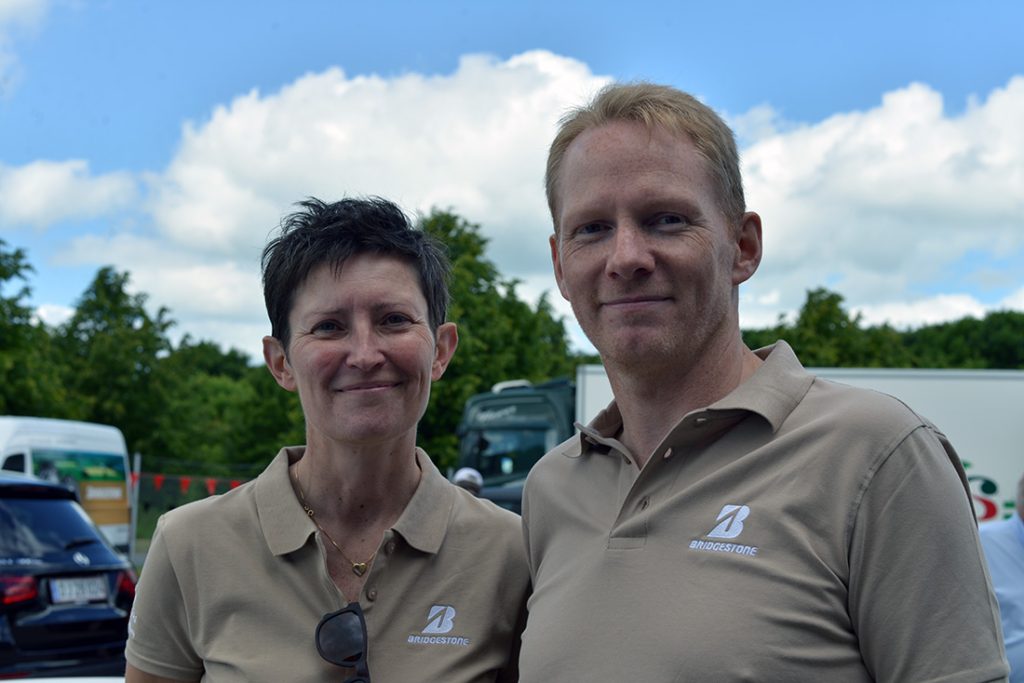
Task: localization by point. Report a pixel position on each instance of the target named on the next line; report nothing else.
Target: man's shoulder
(859, 406)
(559, 459)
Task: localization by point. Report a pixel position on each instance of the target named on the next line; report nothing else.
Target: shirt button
(700, 421)
(668, 454)
(389, 547)
(644, 502)
(371, 594)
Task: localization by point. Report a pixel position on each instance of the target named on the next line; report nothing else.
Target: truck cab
(503, 432)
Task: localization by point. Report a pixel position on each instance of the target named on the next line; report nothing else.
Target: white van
(89, 458)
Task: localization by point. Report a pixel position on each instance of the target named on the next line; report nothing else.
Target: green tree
(992, 342)
(825, 334)
(29, 382)
(109, 350)
(500, 336)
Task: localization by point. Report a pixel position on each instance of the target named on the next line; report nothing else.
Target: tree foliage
(109, 352)
(194, 408)
(825, 334)
(29, 380)
(500, 336)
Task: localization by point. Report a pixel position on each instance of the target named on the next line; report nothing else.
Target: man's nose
(631, 253)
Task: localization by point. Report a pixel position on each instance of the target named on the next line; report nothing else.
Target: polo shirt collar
(286, 527)
(424, 521)
(772, 392)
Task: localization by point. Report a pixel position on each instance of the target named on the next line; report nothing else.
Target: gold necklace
(358, 568)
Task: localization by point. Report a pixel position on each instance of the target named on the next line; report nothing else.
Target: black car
(65, 595)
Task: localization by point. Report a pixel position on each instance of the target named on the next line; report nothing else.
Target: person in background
(1003, 543)
(469, 479)
(729, 517)
(350, 557)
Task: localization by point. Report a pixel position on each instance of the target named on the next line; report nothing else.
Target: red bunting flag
(158, 481)
(235, 483)
(211, 485)
(134, 479)
(184, 483)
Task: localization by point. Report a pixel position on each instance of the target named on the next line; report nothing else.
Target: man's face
(643, 251)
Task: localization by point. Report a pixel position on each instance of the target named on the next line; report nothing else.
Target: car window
(34, 527)
(15, 463)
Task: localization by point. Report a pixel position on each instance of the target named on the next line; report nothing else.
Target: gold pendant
(359, 568)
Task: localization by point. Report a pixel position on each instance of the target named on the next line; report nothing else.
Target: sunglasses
(341, 640)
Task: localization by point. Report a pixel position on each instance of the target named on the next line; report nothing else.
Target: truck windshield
(503, 455)
(72, 468)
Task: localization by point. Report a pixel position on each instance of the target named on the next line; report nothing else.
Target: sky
(882, 144)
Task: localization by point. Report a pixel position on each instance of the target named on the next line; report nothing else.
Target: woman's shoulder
(471, 514)
(208, 514)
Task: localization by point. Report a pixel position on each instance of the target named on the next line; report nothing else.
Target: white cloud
(474, 141)
(15, 14)
(928, 311)
(1014, 301)
(53, 314)
(868, 203)
(44, 192)
(26, 12)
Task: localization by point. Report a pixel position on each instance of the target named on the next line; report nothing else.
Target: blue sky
(882, 144)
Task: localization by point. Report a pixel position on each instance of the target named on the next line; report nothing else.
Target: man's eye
(590, 228)
(671, 219)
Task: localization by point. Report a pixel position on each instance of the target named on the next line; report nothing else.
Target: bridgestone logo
(715, 547)
(439, 640)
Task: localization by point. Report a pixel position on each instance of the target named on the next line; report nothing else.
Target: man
(729, 516)
(1003, 543)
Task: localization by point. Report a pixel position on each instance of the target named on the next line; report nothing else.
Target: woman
(352, 556)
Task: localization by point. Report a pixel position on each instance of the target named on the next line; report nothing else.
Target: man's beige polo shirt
(234, 585)
(796, 530)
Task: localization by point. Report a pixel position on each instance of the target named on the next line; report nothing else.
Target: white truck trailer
(504, 431)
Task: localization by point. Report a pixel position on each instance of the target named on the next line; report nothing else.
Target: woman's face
(361, 354)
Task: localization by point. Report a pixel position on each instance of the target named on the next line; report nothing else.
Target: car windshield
(503, 455)
(41, 527)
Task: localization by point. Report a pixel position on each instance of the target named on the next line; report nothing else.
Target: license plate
(86, 589)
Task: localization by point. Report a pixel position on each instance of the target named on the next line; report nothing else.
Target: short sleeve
(159, 642)
(920, 597)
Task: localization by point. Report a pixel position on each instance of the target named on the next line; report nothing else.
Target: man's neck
(652, 406)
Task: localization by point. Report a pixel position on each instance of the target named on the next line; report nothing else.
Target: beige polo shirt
(234, 585)
(795, 530)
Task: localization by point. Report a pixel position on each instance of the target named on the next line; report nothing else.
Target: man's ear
(446, 341)
(748, 248)
(556, 262)
(277, 362)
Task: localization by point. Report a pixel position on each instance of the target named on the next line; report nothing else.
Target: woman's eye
(326, 327)
(396, 319)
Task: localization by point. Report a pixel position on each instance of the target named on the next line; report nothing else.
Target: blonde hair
(655, 106)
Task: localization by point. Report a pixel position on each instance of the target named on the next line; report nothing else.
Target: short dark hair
(321, 233)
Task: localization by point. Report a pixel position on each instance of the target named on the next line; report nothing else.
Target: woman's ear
(446, 341)
(277, 362)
